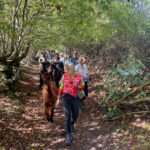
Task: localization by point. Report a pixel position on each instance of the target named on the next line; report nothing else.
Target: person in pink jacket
(71, 82)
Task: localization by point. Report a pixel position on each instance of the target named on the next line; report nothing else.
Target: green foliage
(17, 23)
(88, 22)
(98, 88)
(3, 89)
(11, 95)
(114, 112)
(127, 75)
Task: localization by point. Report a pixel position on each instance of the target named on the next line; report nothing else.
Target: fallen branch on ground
(140, 112)
(136, 100)
(130, 93)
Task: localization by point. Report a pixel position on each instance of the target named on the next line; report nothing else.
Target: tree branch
(130, 93)
(130, 113)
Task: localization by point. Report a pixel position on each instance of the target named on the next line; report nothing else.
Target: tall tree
(17, 20)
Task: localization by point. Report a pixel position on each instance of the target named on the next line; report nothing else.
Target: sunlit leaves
(88, 21)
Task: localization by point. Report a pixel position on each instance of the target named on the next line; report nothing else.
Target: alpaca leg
(51, 112)
(46, 111)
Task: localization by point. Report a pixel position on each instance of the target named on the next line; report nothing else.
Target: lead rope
(53, 91)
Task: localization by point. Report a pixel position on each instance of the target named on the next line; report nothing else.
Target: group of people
(52, 59)
(71, 80)
(57, 61)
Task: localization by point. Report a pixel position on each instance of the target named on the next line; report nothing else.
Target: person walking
(74, 59)
(68, 59)
(82, 68)
(49, 55)
(58, 70)
(70, 83)
(62, 58)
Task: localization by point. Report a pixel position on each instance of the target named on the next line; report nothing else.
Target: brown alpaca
(50, 93)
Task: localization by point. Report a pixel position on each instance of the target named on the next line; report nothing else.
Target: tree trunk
(6, 72)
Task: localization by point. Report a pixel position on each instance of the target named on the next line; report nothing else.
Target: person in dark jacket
(58, 70)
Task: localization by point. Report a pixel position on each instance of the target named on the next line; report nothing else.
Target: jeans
(86, 89)
(71, 107)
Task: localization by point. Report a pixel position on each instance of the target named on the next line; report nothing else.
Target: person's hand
(58, 103)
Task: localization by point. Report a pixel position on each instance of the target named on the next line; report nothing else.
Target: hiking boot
(68, 139)
(73, 129)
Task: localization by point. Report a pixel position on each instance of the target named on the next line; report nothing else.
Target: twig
(136, 100)
(126, 115)
(114, 67)
(132, 92)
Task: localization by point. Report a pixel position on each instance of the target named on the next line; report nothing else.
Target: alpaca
(50, 93)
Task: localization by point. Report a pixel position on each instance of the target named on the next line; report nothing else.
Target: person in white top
(82, 68)
(62, 58)
(68, 57)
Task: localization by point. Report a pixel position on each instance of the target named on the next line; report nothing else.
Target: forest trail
(24, 127)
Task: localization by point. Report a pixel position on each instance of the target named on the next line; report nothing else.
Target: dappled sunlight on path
(23, 125)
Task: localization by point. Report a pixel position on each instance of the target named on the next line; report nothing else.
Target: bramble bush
(121, 85)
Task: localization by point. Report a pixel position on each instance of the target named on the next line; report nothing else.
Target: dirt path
(23, 126)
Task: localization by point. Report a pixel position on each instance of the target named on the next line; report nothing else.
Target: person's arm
(77, 68)
(76, 61)
(71, 59)
(85, 71)
(81, 84)
(61, 87)
(62, 66)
